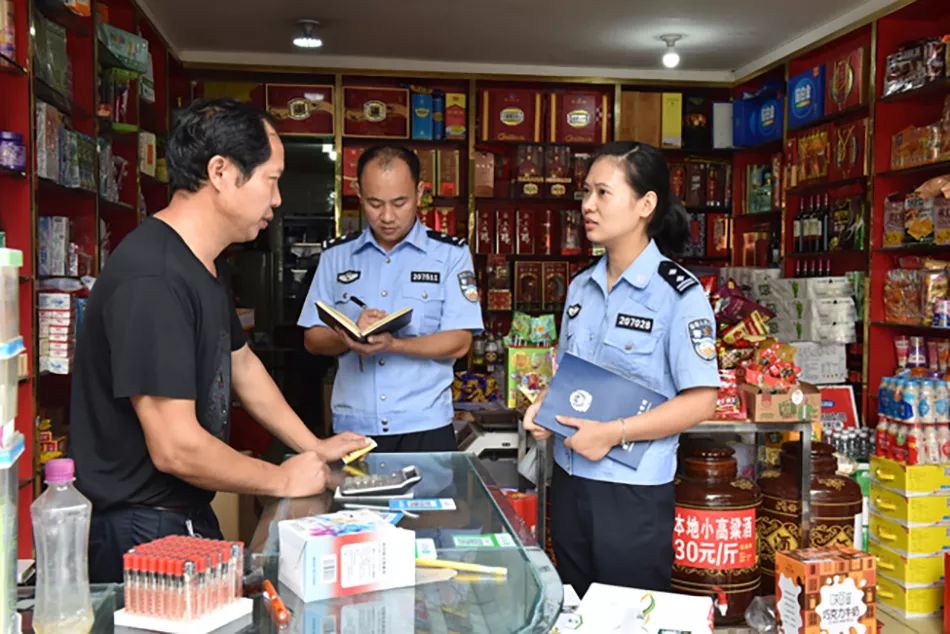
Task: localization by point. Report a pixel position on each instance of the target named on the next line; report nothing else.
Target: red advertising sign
(714, 540)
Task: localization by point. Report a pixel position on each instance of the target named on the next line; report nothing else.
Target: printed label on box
(363, 564)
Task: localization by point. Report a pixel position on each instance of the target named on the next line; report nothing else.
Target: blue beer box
(806, 97)
(758, 120)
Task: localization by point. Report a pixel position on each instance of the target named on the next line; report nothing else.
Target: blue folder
(582, 389)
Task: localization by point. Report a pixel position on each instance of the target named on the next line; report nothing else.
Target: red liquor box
(557, 171)
(511, 115)
(555, 285)
(848, 150)
(300, 109)
(528, 285)
(445, 220)
(449, 173)
(351, 158)
(578, 117)
(484, 230)
(375, 112)
(547, 238)
(504, 231)
(428, 169)
(846, 81)
(530, 171)
(484, 175)
(524, 243)
(678, 182)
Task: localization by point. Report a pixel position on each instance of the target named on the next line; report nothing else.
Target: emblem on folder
(581, 400)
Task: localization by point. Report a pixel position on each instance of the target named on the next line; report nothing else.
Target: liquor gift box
(717, 235)
(456, 121)
(695, 184)
(375, 112)
(848, 150)
(640, 117)
(484, 175)
(445, 220)
(484, 230)
(504, 231)
(422, 121)
(672, 120)
(528, 285)
(555, 285)
(524, 227)
(351, 158)
(547, 239)
(697, 123)
(578, 117)
(449, 170)
(678, 181)
(814, 154)
(696, 243)
(428, 170)
(846, 82)
(300, 108)
(579, 165)
(557, 171)
(511, 115)
(530, 171)
(758, 120)
(806, 97)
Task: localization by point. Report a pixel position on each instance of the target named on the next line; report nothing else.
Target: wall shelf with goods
(79, 212)
(758, 115)
(910, 234)
(16, 223)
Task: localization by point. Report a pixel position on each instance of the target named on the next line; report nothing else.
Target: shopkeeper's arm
(178, 445)
(262, 399)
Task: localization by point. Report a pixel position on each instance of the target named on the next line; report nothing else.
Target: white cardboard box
(822, 363)
(344, 553)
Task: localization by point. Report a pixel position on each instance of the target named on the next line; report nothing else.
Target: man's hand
(539, 433)
(593, 439)
(368, 317)
(335, 447)
(304, 475)
(377, 344)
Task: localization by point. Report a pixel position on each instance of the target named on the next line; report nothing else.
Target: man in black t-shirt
(161, 350)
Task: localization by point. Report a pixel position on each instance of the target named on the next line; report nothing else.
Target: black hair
(646, 170)
(216, 127)
(385, 154)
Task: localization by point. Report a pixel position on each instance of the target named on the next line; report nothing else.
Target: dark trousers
(113, 532)
(617, 534)
(439, 439)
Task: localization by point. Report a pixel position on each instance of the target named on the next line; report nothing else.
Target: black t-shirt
(159, 324)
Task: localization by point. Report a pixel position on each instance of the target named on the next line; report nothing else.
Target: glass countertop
(527, 600)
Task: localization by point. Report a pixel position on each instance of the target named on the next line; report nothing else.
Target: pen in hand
(356, 300)
(279, 611)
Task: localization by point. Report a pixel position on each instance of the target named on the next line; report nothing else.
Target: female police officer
(639, 314)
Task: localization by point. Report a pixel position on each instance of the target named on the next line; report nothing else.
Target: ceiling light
(306, 34)
(671, 58)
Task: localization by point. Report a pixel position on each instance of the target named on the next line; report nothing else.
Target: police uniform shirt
(655, 327)
(429, 272)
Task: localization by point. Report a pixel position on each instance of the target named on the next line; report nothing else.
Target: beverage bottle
(881, 444)
(797, 229)
(943, 438)
(932, 451)
(61, 517)
(941, 402)
(910, 395)
(914, 436)
(926, 413)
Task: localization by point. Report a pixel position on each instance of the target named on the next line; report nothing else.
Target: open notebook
(581, 389)
(390, 323)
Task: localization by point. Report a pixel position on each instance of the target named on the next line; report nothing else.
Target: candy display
(474, 387)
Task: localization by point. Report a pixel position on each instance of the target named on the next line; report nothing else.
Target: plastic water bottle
(61, 519)
(941, 402)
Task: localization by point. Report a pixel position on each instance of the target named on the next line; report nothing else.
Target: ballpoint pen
(356, 300)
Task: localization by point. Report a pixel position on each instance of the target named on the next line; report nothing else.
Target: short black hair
(385, 154)
(209, 127)
(646, 170)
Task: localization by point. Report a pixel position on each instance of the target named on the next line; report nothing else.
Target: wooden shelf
(934, 88)
(823, 186)
(918, 169)
(63, 102)
(115, 207)
(775, 145)
(709, 210)
(913, 248)
(538, 256)
(916, 327)
(52, 186)
(759, 218)
(711, 153)
(840, 253)
(11, 173)
(10, 66)
(507, 200)
(830, 118)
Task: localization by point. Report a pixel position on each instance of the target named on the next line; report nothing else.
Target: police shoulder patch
(337, 241)
(456, 241)
(676, 276)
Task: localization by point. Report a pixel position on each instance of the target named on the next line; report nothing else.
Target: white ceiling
(725, 39)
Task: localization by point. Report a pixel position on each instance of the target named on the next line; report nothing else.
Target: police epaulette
(676, 276)
(446, 238)
(337, 241)
(591, 265)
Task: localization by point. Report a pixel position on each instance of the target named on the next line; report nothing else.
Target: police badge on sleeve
(468, 286)
(702, 338)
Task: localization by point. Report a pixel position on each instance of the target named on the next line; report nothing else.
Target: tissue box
(616, 609)
(836, 586)
(345, 553)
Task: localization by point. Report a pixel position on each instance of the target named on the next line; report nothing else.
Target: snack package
(902, 296)
(729, 402)
(933, 288)
(893, 220)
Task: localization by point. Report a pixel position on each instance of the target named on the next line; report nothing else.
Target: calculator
(393, 483)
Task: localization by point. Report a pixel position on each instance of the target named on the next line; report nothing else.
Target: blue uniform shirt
(655, 327)
(429, 272)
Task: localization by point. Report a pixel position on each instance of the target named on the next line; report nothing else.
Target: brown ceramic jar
(835, 500)
(714, 536)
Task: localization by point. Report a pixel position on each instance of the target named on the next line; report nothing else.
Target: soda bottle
(941, 402)
(925, 408)
(913, 444)
(932, 453)
(943, 438)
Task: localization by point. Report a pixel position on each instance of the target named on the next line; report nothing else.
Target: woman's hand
(539, 433)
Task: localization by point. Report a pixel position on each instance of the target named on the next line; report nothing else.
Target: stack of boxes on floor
(910, 531)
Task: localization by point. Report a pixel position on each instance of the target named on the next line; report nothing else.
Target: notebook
(582, 389)
(390, 323)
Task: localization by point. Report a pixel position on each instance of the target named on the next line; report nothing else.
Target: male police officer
(402, 394)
